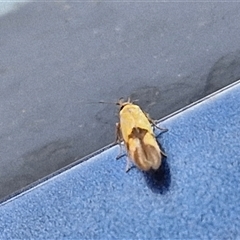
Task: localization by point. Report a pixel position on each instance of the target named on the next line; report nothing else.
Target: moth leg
(118, 140)
(154, 124)
(121, 154)
(118, 133)
(129, 165)
(163, 153)
(163, 131)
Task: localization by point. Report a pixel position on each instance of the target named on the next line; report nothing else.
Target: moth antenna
(120, 101)
(136, 100)
(104, 102)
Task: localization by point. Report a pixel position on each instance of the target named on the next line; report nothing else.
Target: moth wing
(152, 150)
(143, 149)
(133, 117)
(137, 154)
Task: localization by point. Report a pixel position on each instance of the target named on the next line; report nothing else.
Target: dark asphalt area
(58, 57)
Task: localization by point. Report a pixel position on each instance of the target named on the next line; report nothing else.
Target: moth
(136, 131)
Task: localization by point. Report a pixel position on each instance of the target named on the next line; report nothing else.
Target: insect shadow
(159, 180)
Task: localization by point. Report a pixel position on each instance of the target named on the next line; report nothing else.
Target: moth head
(122, 103)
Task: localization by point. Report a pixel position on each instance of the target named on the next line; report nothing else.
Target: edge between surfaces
(43, 180)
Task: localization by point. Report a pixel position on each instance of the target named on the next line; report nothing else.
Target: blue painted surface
(196, 194)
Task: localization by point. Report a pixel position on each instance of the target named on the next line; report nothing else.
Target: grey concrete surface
(56, 57)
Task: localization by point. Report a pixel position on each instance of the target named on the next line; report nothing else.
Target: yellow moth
(135, 129)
